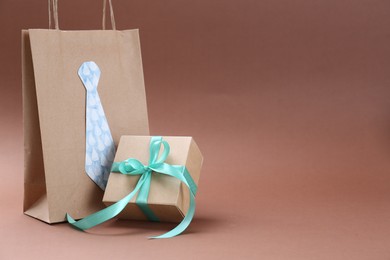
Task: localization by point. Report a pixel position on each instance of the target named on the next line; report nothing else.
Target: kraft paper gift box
(168, 197)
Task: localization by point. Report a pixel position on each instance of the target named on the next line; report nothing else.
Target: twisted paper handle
(53, 14)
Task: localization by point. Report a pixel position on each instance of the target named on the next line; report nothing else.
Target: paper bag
(55, 181)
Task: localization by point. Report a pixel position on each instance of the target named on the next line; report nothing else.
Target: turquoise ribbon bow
(134, 167)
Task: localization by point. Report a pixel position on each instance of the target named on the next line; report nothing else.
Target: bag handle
(53, 11)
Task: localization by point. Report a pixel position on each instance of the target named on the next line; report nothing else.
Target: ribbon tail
(104, 214)
(181, 173)
(183, 224)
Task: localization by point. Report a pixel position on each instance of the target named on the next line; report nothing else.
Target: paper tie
(99, 145)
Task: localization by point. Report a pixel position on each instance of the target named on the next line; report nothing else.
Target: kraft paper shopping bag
(54, 109)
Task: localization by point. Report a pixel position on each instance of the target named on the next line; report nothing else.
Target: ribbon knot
(133, 166)
(130, 166)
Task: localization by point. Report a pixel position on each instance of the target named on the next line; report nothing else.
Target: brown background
(289, 102)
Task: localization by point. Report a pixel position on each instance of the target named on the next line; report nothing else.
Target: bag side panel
(35, 203)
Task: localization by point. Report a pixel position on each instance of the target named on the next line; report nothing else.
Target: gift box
(168, 198)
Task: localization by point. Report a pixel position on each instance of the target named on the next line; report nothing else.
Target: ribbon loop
(133, 166)
(155, 146)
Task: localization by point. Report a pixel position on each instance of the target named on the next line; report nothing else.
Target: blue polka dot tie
(99, 146)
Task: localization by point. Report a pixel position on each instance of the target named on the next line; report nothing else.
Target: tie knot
(89, 74)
